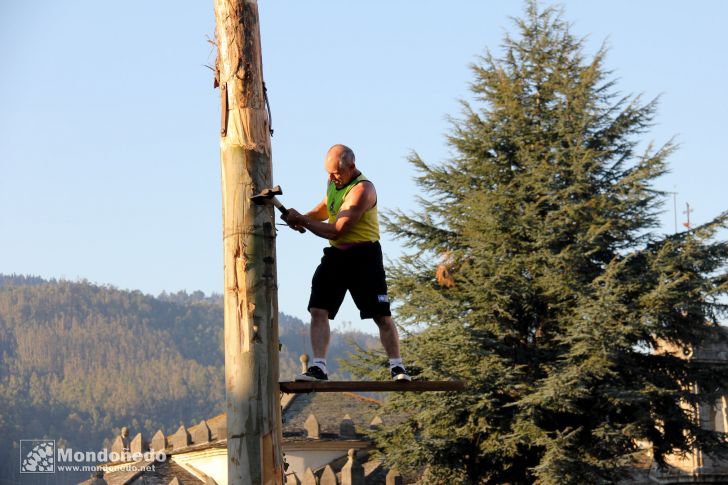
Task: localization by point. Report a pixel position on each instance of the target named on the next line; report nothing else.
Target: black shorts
(359, 270)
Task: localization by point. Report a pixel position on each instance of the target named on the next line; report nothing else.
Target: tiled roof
(162, 474)
(329, 409)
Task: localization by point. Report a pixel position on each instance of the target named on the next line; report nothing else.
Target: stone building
(324, 442)
(697, 466)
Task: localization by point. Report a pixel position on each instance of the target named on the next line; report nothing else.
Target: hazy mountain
(81, 360)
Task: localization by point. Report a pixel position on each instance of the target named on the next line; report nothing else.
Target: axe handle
(280, 206)
(284, 211)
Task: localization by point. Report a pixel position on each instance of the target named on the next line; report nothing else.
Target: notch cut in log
(298, 387)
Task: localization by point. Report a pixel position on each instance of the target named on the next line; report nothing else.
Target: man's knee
(319, 315)
(384, 321)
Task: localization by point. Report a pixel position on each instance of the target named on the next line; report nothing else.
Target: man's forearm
(318, 213)
(314, 215)
(320, 228)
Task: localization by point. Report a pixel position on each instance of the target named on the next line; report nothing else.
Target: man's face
(340, 176)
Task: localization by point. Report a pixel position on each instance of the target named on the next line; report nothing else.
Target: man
(347, 217)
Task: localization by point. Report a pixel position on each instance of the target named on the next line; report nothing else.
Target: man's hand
(294, 219)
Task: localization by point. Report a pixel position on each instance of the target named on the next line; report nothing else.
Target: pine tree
(554, 294)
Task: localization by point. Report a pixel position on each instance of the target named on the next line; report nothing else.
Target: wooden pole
(251, 306)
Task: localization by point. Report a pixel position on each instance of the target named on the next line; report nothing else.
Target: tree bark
(251, 304)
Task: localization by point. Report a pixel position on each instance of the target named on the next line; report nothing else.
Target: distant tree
(553, 292)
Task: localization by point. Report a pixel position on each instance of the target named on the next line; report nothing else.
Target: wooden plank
(295, 387)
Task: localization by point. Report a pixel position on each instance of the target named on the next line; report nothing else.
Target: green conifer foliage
(563, 293)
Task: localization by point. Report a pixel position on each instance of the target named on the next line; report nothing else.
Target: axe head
(266, 194)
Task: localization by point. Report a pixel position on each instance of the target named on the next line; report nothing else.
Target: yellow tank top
(366, 229)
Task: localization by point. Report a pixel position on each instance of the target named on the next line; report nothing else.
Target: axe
(269, 194)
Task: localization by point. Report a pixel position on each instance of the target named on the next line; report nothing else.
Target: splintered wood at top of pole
(240, 76)
(297, 387)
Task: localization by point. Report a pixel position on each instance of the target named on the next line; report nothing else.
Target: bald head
(343, 155)
(340, 165)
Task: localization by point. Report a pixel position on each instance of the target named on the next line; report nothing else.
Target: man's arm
(318, 213)
(360, 199)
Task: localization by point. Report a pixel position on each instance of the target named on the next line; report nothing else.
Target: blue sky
(109, 162)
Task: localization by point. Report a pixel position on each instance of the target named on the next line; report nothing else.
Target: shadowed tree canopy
(554, 291)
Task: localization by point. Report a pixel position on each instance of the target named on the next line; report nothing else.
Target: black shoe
(399, 374)
(314, 373)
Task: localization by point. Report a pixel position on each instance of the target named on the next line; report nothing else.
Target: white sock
(395, 362)
(320, 363)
